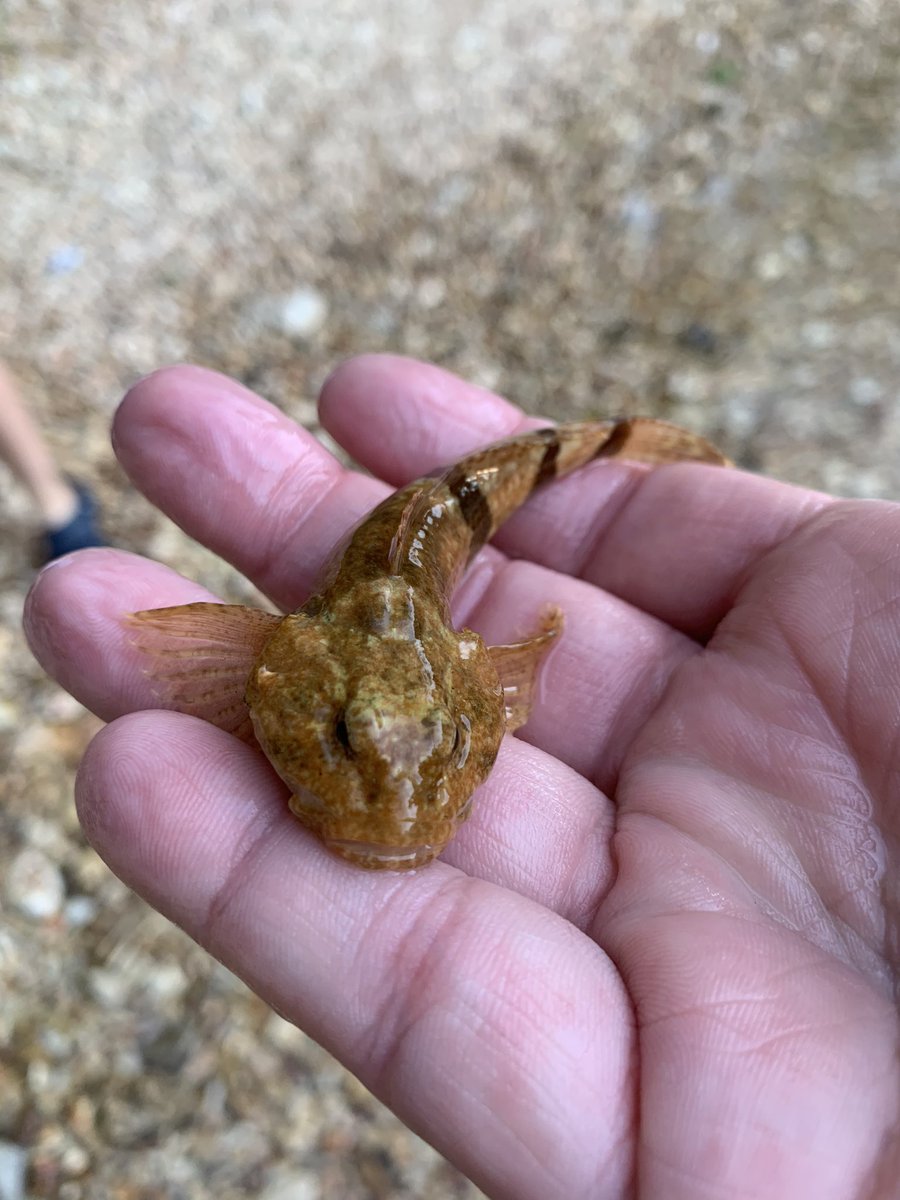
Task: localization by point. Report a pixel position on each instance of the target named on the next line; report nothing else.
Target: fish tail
(491, 484)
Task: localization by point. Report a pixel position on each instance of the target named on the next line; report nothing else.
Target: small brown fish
(380, 717)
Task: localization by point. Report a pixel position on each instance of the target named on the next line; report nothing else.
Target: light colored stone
(431, 292)
(771, 265)
(167, 981)
(34, 885)
(292, 1185)
(865, 391)
(304, 312)
(689, 387)
(74, 1160)
(284, 1034)
(10, 716)
(818, 334)
(80, 911)
(109, 987)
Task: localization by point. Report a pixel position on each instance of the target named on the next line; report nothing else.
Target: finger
(486, 1022)
(750, 1021)
(676, 542)
(748, 914)
(74, 625)
(415, 416)
(684, 542)
(740, 1000)
(539, 829)
(239, 476)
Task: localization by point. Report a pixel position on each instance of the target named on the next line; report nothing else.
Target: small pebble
(167, 981)
(74, 1160)
(108, 987)
(431, 292)
(304, 312)
(64, 260)
(61, 708)
(34, 885)
(283, 1034)
(297, 1185)
(80, 911)
(699, 338)
(771, 266)
(818, 334)
(865, 391)
(690, 387)
(707, 41)
(639, 214)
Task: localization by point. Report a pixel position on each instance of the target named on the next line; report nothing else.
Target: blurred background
(699, 197)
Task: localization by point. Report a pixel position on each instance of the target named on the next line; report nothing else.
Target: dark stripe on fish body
(473, 505)
(616, 440)
(547, 470)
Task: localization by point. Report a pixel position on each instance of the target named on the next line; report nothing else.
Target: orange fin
(203, 655)
(517, 665)
(647, 440)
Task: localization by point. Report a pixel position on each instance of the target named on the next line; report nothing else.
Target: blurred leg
(66, 509)
(24, 450)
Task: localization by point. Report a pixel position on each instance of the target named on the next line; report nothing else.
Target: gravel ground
(699, 197)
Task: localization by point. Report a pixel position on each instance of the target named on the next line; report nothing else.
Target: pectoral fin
(203, 655)
(517, 665)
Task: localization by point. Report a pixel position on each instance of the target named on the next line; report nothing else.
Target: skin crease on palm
(661, 958)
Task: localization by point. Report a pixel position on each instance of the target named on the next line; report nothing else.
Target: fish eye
(342, 733)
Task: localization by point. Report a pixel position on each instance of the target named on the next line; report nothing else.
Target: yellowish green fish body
(380, 717)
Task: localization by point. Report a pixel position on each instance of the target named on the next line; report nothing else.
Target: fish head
(381, 739)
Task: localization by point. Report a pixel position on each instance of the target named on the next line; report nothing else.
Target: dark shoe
(77, 534)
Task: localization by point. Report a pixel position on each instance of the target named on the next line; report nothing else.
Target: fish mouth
(379, 857)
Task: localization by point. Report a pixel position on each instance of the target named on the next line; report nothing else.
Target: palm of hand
(692, 996)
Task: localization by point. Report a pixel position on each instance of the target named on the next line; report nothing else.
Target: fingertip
(359, 386)
(114, 792)
(114, 789)
(177, 378)
(168, 800)
(34, 610)
(60, 591)
(73, 622)
(350, 374)
(160, 399)
(149, 391)
(399, 416)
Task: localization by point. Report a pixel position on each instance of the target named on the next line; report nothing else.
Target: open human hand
(661, 958)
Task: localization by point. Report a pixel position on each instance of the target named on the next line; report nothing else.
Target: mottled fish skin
(380, 717)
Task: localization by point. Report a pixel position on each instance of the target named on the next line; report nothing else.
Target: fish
(380, 717)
